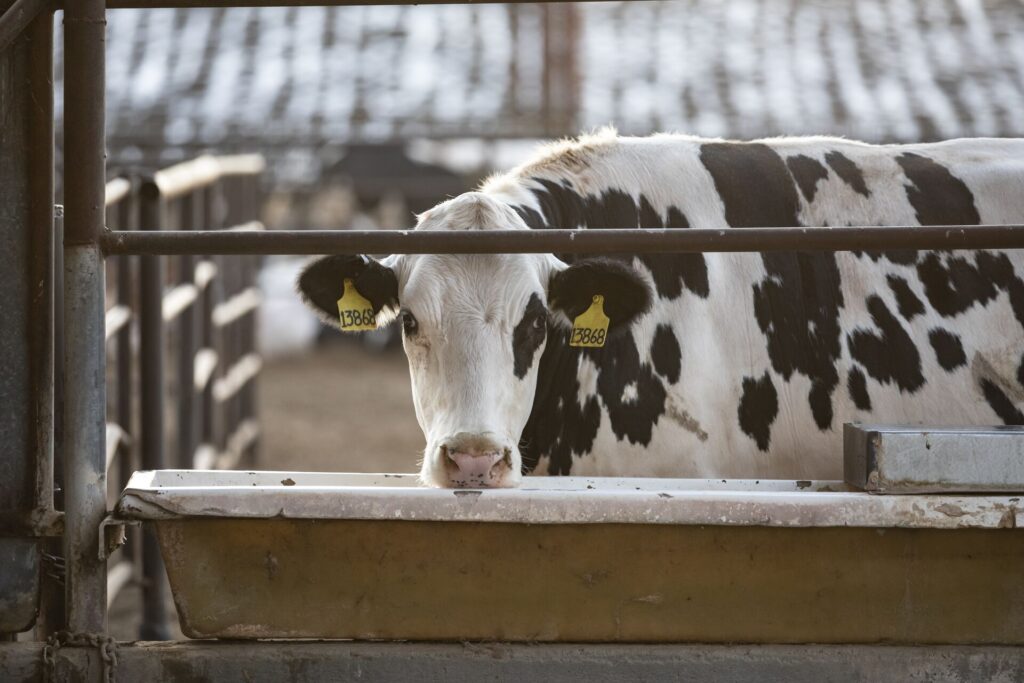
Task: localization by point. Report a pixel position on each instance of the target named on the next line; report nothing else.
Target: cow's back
(749, 364)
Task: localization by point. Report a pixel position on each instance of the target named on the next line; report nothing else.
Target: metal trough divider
(320, 555)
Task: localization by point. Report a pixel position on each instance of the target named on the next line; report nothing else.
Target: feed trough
(375, 556)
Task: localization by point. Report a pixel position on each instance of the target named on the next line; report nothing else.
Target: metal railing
(206, 309)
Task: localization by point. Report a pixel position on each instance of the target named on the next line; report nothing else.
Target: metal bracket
(112, 535)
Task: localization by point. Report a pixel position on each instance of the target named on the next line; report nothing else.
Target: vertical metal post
(151, 376)
(125, 414)
(187, 425)
(84, 358)
(207, 428)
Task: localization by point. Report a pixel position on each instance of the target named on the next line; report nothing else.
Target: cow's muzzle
(469, 466)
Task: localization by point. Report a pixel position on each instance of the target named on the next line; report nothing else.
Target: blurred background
(369, 114)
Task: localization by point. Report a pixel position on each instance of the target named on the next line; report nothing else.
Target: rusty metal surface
(172, 494)
(541, 663)
(285, 578)
(915, 459)
(629, 241)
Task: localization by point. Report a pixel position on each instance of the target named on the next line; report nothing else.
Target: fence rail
(621, 241)
(207, 309)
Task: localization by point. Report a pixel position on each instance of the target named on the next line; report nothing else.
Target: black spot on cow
(563, 208)
(938, 197)
(558, 426)
(528, 335)
(857, 384)
(952, 284)
(1020, 371)
(631, 418)
(890, 356)
(906, 300)
(901, 257)
(807, 172)
(848, 171)
(759, 405)
(671, 272)
(533, 220)
(754, 184)
(666, 354)
(1001, 404)
(797, 304)
(948, 349)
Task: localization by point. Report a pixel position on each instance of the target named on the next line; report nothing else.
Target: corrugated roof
(880, 70)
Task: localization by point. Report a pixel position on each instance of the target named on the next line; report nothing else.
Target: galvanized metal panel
(19, 583)
(916, 459)
(283, 578)
(469, 663)
(171, 494)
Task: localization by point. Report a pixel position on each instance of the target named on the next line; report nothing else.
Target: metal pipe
(630, 241)
(41, 253)
(125, 414)
(151, 390)
(18, 17)
(85, 496)
(188, 437)
(84, 358)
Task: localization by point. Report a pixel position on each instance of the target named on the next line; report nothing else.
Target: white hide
(699, 436)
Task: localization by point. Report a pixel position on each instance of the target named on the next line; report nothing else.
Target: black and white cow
(723, 365)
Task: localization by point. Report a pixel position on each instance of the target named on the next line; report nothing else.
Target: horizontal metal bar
(175, 181)
(246, 301)
(35, 523)
(178, 299)
(205, 272)
(237, 376)
(18, 16)
(203, 367)
(115, 318)
(116, 190)
(563, 241)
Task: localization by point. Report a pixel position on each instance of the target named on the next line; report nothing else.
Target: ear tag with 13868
(590, 328)
(354, 310)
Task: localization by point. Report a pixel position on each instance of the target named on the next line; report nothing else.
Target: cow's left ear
(322, 282)
(626, 294)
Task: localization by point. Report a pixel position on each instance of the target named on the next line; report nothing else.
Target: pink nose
(475, 469)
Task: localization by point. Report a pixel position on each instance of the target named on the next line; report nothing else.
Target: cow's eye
(409, 323)
(538, 322)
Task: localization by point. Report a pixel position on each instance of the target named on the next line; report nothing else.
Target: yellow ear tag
(590, 328)
(354, 311)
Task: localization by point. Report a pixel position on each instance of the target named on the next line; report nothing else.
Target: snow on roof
(879, 70)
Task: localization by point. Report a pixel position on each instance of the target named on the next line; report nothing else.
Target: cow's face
(474, 328)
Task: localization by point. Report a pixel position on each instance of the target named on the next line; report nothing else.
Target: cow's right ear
(322, 282)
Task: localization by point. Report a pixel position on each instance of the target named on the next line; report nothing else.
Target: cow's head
(474, 328)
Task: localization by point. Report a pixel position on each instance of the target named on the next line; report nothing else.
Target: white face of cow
(474, 328)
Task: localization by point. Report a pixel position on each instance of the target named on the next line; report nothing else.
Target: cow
(731, 365)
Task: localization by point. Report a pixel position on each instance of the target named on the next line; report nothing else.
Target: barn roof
(879, 70)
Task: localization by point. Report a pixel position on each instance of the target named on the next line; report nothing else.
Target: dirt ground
(338, 408)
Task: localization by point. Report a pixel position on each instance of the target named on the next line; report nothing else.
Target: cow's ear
(626, 293)
(322, 282)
